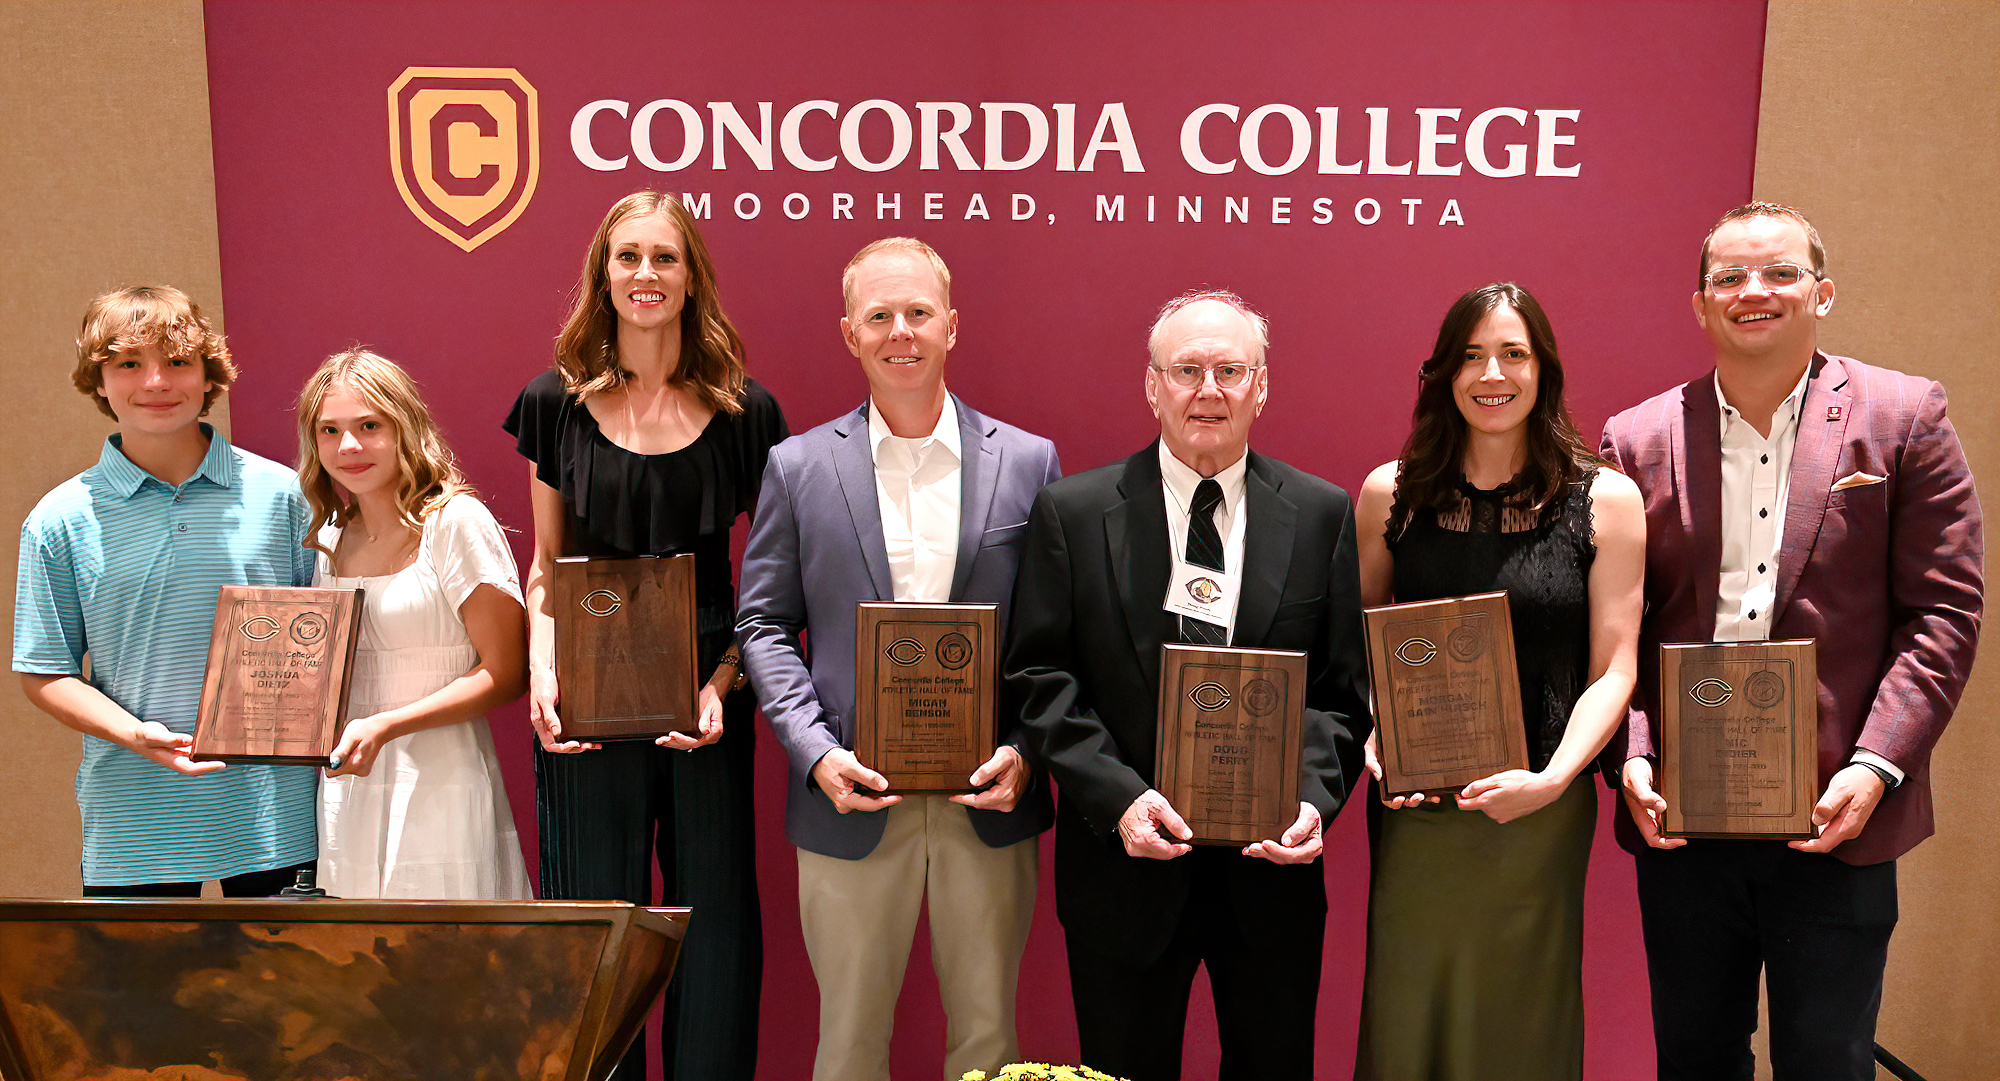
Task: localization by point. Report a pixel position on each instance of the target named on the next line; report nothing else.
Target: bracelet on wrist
(1888, 779)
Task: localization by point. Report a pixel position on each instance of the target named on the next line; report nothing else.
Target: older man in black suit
(1140, 907)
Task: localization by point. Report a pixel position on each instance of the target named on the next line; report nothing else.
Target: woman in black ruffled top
(647, 438)
(1475, 910)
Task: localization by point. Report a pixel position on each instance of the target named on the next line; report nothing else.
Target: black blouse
(1543, 564)
(619, 504)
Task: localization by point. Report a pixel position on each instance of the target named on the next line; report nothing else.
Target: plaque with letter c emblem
(1738, 732)
(926, 693)
(1447, 693)
(625, 647)
(1227, 751)
(280, 661)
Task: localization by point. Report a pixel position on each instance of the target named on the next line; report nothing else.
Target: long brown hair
(711, 362)
(1433, 457)
(429, 473)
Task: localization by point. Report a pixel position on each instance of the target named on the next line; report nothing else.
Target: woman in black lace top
(648, 438)
(1475, 912)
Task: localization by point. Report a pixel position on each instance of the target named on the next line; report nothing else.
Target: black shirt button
(1753, 615)
(1764, 459)
(1761, 513)
(1760, 568)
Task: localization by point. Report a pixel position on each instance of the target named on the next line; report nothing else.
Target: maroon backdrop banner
(423, 178)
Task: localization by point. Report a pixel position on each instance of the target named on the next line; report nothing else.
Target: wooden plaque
(625, 647)
(280, 660)
(1227, 752)
(1738, 732)
(926, 693)
(1447, 693)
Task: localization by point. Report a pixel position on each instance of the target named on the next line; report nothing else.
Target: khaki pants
(860, 916)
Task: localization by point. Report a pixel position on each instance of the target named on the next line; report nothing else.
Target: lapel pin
(1833, 412)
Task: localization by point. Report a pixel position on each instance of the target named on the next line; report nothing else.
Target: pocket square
(1856, 480)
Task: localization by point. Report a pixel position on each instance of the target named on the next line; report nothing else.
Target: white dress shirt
(1180, 481)
(917, 488)
(1756, 472)
(1756, 488)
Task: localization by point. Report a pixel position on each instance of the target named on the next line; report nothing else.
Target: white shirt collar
(1181, 479)
(945, 434)
(1788, 409)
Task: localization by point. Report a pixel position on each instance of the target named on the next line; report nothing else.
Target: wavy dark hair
(711, 364)
(1433, 456)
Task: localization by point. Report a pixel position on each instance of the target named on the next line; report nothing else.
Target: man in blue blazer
(912, 497)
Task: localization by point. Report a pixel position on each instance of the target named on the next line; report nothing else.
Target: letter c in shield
(465, 149)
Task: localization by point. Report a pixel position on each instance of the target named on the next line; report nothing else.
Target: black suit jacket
(1083, 656)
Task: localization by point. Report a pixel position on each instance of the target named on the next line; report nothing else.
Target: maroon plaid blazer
(1886, 576)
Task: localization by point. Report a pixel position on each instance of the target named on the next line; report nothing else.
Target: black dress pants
(1132, 1019)
(1717, 911)
(248, 884)
(605, 815)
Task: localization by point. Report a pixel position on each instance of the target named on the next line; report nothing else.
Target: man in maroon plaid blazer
(1793, 494)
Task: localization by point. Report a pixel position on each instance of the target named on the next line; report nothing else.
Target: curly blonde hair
(429, 473)
(137, 316)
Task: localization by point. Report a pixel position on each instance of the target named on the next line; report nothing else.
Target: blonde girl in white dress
(417, 806)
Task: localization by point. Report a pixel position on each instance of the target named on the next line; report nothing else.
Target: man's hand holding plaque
(1739, 746)
(926, 702)
(1227, 752)
(849, 784)
(998, 782)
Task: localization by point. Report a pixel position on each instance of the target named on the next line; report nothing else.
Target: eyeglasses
(1190, 376)
(1729, 279)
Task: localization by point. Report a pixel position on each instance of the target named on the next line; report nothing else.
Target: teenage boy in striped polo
(123, 562)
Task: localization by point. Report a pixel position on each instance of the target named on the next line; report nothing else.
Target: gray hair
(1260, 328)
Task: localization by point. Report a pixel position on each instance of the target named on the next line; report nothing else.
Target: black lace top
(621, 504)
(1541, 560)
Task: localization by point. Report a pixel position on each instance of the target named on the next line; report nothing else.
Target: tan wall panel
(108, 181)
(1881, 120)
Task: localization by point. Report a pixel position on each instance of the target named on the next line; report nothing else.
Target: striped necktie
(1204, 549)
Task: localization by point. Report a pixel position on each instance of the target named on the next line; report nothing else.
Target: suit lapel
(1816, 454)
(979, 475)
(1135, 537)
(854, 462)
(1267, 553)
(1698, 461)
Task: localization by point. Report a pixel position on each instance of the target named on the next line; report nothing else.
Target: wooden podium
(291, 990)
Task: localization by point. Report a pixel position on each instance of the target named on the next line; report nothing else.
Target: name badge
(1201, 593)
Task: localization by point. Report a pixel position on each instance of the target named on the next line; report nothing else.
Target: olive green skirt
(1475, 943)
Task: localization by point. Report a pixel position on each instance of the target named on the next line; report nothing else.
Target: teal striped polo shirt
(119, 565)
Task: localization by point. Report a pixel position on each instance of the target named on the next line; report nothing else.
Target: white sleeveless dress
(431, 820)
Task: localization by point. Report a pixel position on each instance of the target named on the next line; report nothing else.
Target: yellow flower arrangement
(1038, 1071)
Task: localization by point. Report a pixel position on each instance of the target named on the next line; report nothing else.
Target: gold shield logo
(465, 148)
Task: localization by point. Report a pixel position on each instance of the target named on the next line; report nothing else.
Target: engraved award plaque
(1739, 739)
(926, 693)
(1227, 753)
(625, 647)
(1447, 693)
(279, 663)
